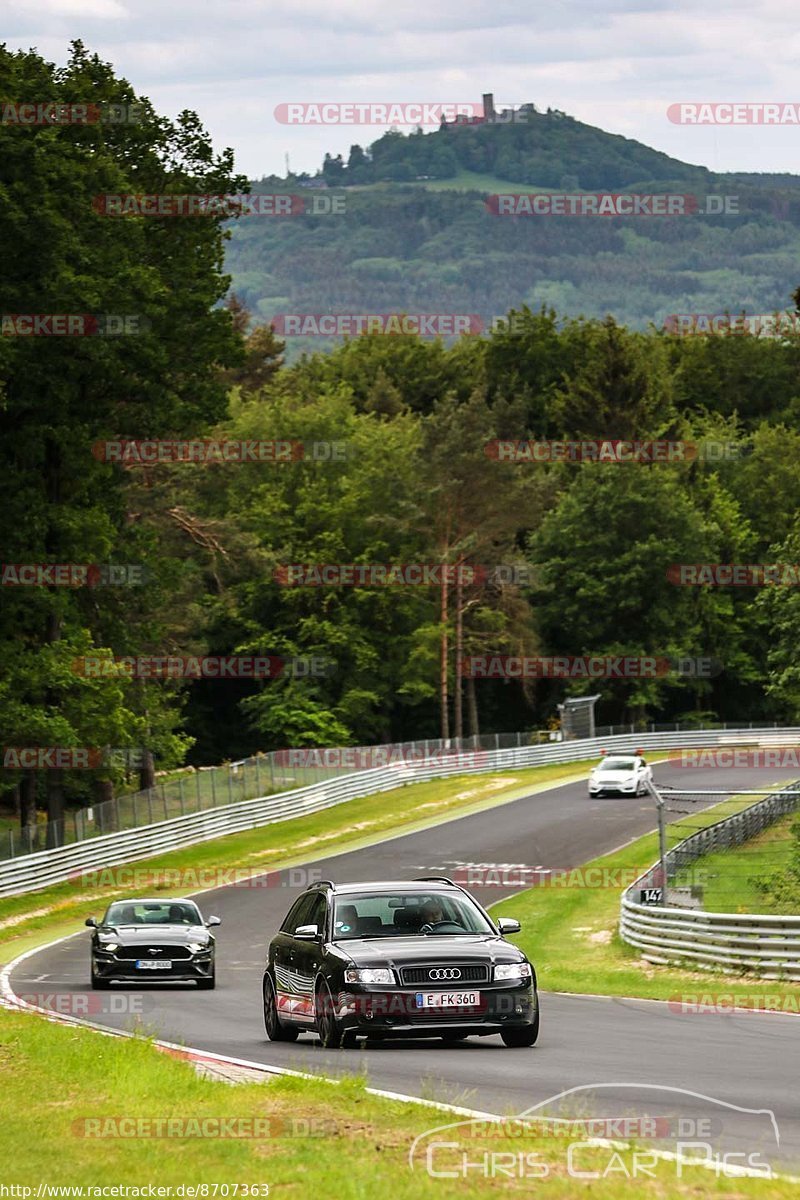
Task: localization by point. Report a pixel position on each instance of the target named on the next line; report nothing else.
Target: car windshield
(400, 914)
(152, 912)
(617, 764)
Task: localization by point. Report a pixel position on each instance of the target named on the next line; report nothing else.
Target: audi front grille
(444, 976)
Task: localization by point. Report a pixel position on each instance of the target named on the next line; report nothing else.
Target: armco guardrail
(194, 790)
(34, 871)
(768, 945)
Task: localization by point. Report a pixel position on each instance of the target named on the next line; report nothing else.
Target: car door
(292, 1000)
(307, 952)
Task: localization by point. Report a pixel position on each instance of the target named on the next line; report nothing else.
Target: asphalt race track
(749, 1061)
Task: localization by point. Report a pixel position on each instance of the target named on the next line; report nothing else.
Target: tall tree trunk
(105, 810)
(444, 654)
(472, 708)
(55, 779)
(147, 772)
(458, 719)
(27, 810)
(55, 809)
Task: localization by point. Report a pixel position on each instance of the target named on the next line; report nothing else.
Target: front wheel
(523, 1035)
(331, 1034)
(100, 985)
(275, 1031)
(209, 984)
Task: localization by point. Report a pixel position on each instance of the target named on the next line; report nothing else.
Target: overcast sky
(618, 64)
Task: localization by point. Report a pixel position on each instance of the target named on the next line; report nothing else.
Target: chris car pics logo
(594, 1134)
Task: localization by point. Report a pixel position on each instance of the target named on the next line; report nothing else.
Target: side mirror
(508, 925)
(91, 921)
(307, 933)
(213, 921)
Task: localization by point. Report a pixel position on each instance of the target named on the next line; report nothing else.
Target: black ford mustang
(418, 959)
(152, 940)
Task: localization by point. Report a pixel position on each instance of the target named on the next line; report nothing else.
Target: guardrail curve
(762, 943)
(31, 872)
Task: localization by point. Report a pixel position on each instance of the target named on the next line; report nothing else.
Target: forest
(391, 461)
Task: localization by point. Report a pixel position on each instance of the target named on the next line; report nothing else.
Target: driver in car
(433, 914)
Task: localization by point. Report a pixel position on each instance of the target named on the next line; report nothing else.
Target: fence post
(197, 781)
(213, 787)
(230, 783)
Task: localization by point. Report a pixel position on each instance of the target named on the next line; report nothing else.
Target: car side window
(296, 917)
(317, 913)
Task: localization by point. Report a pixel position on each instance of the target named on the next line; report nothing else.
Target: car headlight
(111, 946)
(196, 947)
(369, 975)
(512, 971)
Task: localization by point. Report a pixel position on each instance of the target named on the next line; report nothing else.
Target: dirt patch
(36, 912)
(492, 786)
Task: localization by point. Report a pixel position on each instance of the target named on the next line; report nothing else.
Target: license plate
(151, 964)
(448, 999)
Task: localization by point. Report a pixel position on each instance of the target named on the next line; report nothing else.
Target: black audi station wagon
(164, 941)
(414, 958)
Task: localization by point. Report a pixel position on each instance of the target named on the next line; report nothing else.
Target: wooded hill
(407, 244)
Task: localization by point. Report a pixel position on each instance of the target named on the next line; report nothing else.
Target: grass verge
(731, 873)
(570, 933)
(69, 1094)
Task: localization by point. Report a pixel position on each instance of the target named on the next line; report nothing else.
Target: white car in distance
(620, 774)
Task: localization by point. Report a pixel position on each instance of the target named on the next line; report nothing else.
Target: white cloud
(102, 10)
(619, 65)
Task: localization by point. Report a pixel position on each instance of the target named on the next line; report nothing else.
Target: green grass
(463, 181)
(570, 933)
(56, 1079)
(345, 826)
(730, 873)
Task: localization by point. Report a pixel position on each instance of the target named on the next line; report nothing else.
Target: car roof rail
(434, 879)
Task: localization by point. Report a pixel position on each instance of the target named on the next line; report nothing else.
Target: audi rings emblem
(445, 973)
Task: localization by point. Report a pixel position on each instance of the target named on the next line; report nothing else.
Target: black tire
(208, 985)
(452, 1038)
(100, 985)
(329, 1030)
(522, 1035)
(275, 1031)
